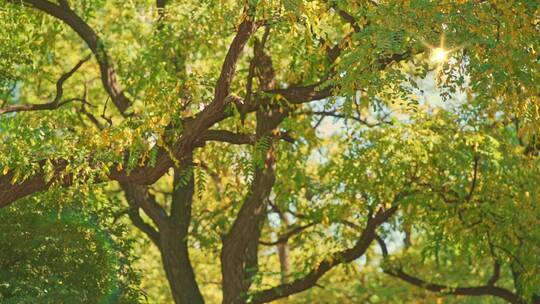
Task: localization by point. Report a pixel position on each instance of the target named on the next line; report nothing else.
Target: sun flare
(439, 55)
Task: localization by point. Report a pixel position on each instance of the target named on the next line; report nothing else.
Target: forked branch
(56, 102)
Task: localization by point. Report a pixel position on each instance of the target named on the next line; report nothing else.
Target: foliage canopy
(387, 150)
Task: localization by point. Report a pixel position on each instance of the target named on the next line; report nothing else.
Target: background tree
(57, 249)
(212, 120)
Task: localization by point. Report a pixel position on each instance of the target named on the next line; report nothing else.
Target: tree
(207, 117)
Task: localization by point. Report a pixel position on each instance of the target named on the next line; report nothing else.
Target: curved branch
(215, 111)
(10, 191)
(496, 274)
(485, 290)
(345, 256)
(108, 74)
(285, 237)
(466, 291)
(335, 114)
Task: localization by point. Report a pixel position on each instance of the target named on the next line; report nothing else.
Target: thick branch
(228, 137)
(139, 222)
(239, 138)
(349, 19)
(182, 198)
(239, 259)
(10, 190)
(245, 30)
(303, 94)
(174, 238)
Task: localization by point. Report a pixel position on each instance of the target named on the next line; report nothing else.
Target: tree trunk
(174, 238)
(239, 260)
(175, 256)
(171, 235)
